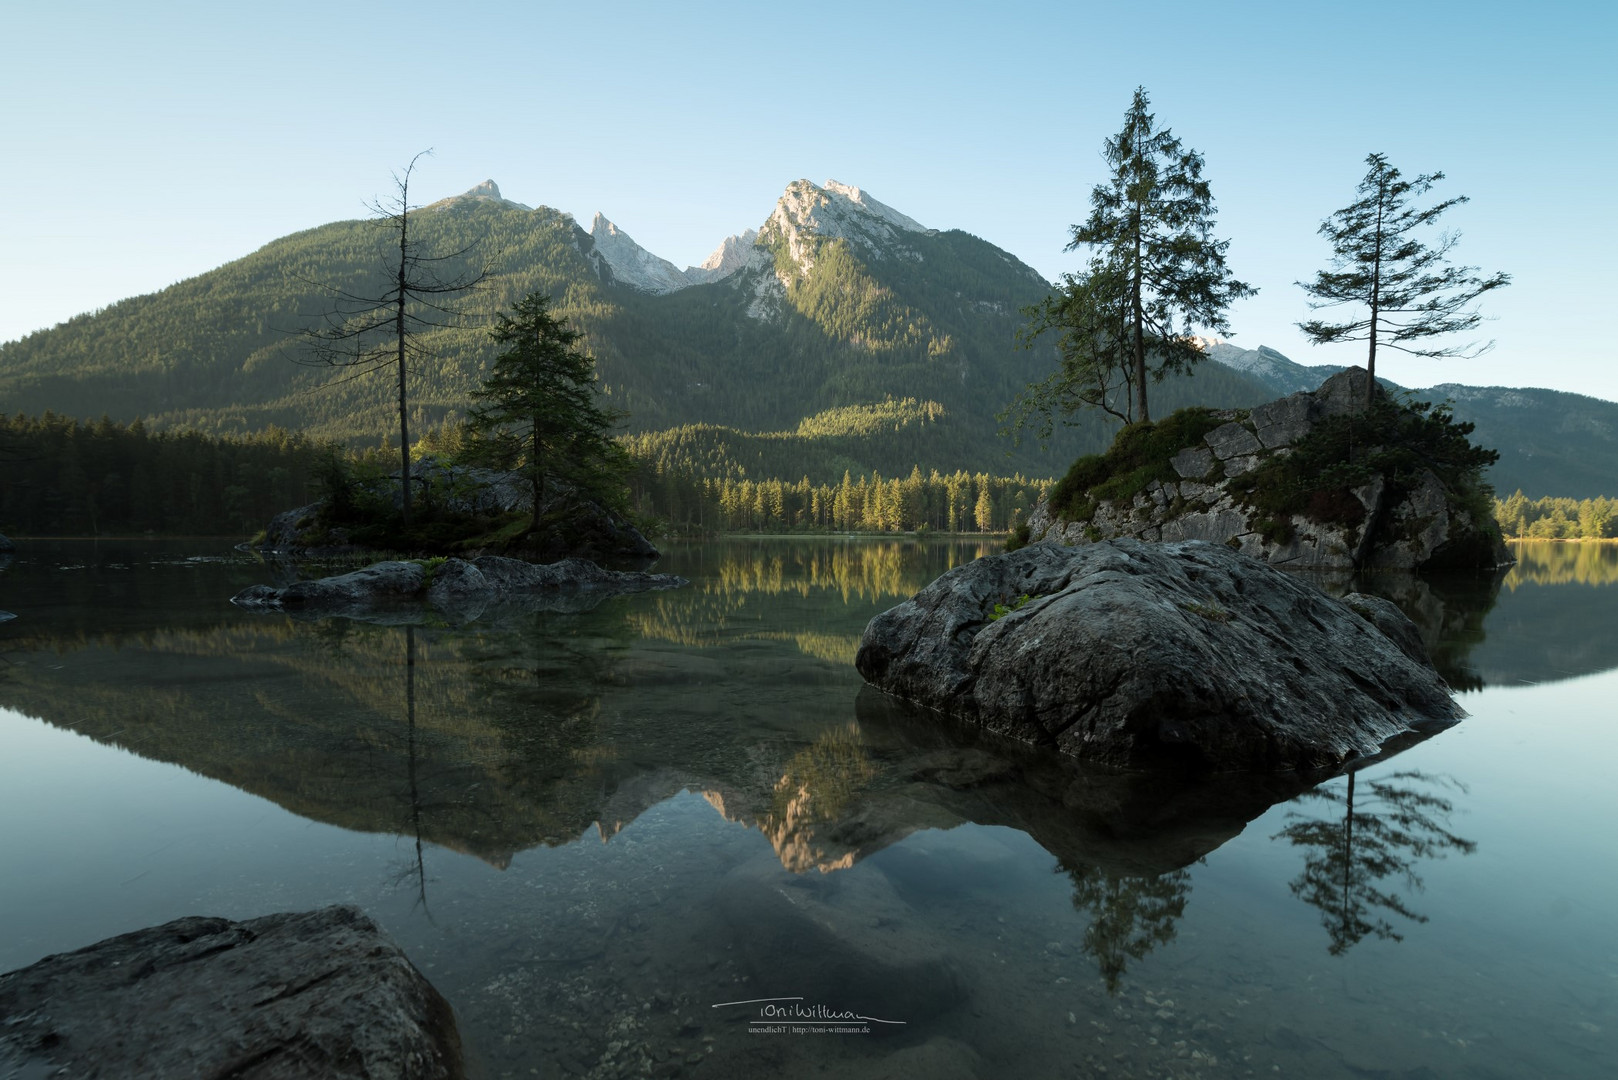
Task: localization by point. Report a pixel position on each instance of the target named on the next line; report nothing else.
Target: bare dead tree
(378, 330)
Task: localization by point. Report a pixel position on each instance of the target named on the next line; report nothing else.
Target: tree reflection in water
(1386, 827)
(1129, 915)
(413, 869)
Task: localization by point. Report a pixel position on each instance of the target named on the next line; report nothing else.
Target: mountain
(835, 309)
(835, 302)
(1550, 442)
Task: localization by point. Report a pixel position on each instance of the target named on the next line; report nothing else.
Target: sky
(144, 144)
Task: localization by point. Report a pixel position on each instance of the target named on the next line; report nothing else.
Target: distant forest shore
(61, 477)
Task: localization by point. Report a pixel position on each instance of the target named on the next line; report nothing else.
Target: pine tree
(1156, 275)
(539, 411)
(1408, 290)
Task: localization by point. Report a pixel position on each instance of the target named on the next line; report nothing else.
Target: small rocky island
(1133, 654)
(456, 588)
(1316, 480)
(461, 510)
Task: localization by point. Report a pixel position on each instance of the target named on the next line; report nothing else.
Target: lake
(671, 835)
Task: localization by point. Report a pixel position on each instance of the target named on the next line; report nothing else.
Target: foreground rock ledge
(1134, 655)
(318, 994)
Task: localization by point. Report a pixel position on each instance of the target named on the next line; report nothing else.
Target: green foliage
(429, 568)
(1408, 291)
(538, 413)
(958, 502)
(1139, 455)
(1522, 518)
(60, 477)
(1156, 273)
(1000, 610)
(1344, 452)
(1211, 612)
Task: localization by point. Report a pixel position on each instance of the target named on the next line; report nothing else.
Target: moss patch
(1140, 455)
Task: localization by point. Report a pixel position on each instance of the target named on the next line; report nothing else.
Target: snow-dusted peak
(632, 265)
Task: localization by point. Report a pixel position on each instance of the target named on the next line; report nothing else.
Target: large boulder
(296, 995)
(1383, 521)
(1136, 654)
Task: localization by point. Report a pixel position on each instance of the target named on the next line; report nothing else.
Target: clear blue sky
(143, 144)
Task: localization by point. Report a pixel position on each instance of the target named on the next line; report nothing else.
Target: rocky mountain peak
(627, 263)
(488, 191)
(807, 215)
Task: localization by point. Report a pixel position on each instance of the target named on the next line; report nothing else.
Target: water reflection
(533, 728)
(1129, 916)
(1351, 854)
(1547, 562)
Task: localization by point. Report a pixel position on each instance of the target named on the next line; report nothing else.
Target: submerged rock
(7, 545)
(321, 993)
(455, 587)
(1134, 654)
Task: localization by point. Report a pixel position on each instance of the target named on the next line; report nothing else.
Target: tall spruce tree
(1407, 289)
(380, 328)
(538, 411)
(1157, 274)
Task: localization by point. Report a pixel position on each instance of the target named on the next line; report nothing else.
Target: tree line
(1522, 518)
(62, 477)
(957, 502)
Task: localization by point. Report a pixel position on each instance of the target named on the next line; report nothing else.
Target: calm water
(594, 830)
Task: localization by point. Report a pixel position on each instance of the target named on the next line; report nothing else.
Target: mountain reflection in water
(1042, 916)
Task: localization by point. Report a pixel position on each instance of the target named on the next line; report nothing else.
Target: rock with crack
(1135, 654)
(310, 994)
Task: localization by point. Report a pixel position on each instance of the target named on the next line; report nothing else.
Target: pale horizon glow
(145, 145)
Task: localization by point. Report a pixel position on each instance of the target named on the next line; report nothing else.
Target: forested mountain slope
(837, 303)
(839, 335)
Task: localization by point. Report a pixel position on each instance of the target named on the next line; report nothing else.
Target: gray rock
(1426, 527)
(515, 575)
(1193, 463)
(1135, 654)
(459, 590)
(1230, 440)
(464, 591)
(6, 616)
(378, 584)
(258, 596)
(1284, 421)
(1241, 463)
(1343, 393)
(298, 995)
(1385, 615)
